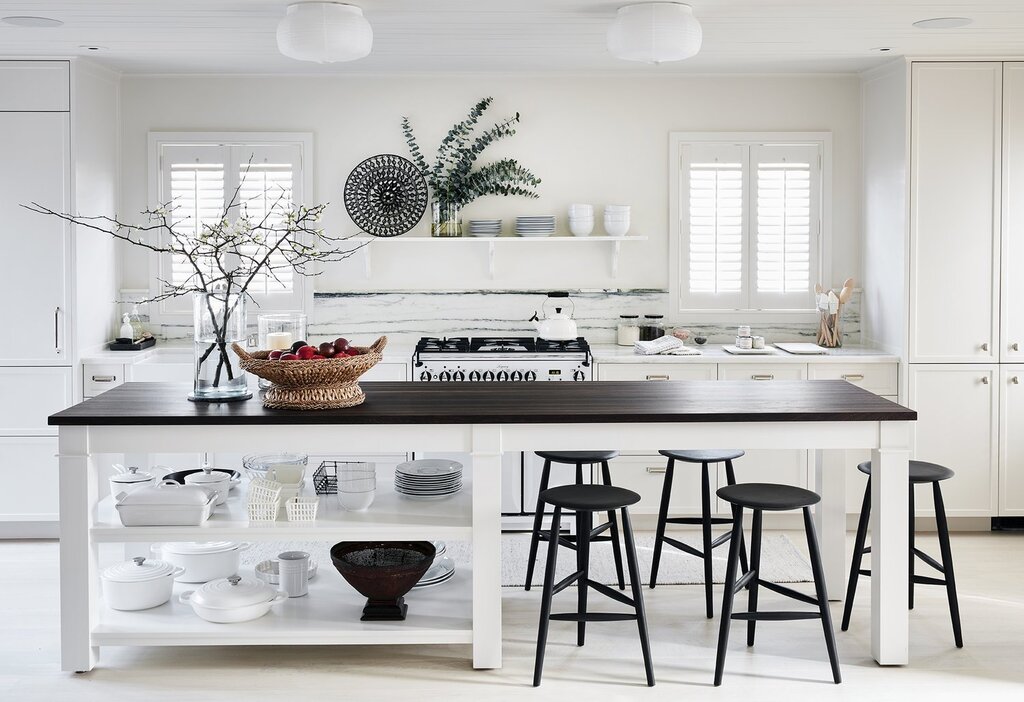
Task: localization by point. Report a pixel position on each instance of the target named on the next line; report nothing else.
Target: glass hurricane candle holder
(277, 332)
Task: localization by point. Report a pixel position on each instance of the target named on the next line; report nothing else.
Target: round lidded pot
(129, 481)
(234, 599)
(140, 583)
(202, 561)
(212, 480)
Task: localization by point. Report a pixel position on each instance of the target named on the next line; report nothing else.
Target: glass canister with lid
(652, 327)
(628, 330)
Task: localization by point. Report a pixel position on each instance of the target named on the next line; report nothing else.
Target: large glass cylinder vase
(445, 219)
(219, 320)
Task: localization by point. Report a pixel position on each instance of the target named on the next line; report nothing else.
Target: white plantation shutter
(194, 184)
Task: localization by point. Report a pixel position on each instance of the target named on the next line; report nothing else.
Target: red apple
(341, 343)
(274, 355)
(306, 352)
(327, 349)
(297, 345)
(353, 352)
(289, 357)
(317, 357)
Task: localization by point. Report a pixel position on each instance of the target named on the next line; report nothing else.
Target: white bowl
(616, 228)
(581, 228)
(356, 501)
(617, 208)
(581, 209)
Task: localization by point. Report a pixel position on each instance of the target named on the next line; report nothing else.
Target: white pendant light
(655, 32)
(324, 32)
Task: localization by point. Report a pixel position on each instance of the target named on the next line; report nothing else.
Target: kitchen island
(483, 419)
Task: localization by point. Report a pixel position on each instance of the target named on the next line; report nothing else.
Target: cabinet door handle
(984, 346)
(766, 376)
(104, 378)
(1015, 346)
(984, 380)
(852, 376)
(56, 329)
(656, 469)
(657, 377)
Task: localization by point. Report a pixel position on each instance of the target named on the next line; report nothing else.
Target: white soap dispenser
(127, 332)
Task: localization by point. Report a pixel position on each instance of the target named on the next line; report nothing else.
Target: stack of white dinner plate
(442, 569)
(485, 227)
(541, 225)
(428, 479)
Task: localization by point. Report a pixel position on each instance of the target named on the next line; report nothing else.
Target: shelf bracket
(616, 250)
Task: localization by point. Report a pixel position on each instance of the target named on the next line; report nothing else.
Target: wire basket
(263, 511)
(302, 509)
(325, 477)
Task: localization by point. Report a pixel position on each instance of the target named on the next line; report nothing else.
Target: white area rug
(781, 560)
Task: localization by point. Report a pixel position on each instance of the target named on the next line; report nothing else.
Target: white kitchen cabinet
(35, 86)
(99, 377)
(957, 426)
(31, 394)
(1011, 348)
(657, 371)
(34, 168)
(28, 472)
(645, 475)
(956, 147)
(1011, 440)
(879, 378)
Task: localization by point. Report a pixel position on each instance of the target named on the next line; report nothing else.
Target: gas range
(501, 359)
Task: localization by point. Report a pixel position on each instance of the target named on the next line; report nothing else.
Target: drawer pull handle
(1015, 346)
(984, 380)
(656, 469)
(657, 377)
(984, 346)
(104, 378)
(1015, 380)
(852, 376)
(766, 376)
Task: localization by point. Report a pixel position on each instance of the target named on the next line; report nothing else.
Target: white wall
(591, 139)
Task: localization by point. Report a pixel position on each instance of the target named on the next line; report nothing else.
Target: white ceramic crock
(138, 584)
(129, 480)
(215, 481)
(232, 600)
(202, 561)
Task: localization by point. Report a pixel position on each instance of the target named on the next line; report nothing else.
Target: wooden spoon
(847, 292)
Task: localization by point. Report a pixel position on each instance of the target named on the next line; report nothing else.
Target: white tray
(801, 348)
(748, 352)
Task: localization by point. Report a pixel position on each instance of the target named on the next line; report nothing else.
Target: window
(199, 174)
(747, 216)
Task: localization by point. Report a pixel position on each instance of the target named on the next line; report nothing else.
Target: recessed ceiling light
(29, 21)
(943, 23)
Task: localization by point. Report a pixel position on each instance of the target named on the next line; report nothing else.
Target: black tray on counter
(122, 345)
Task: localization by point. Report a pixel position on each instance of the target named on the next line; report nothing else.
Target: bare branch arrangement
(227, 256)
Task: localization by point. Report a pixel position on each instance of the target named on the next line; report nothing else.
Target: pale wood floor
(787, 662)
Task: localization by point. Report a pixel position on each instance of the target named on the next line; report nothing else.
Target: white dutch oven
(232, 600)
(138, 584)
(214, 481)
(202, 560)
(127, 481)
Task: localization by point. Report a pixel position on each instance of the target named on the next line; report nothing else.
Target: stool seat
(768, 496)
(573, 457)
(920, 471)
(702, 455)
(590, 498)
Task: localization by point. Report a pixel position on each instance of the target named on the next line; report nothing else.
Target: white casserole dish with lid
(234, 599)
(140, 583)
(202, 561)
(129, 480)
(165, 504)
(210, 479)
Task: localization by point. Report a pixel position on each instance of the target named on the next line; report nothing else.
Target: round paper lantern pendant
(324, 32)
(655, 32)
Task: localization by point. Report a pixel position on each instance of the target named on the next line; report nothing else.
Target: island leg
(830, 517)
(890, 483)
(486, 546)
(78, 555)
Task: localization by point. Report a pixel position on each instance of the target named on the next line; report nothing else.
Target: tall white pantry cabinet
(58, 147)
(944, 203)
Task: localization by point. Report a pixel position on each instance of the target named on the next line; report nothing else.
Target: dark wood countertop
(166, 404)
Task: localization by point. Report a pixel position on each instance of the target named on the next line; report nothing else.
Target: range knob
(425, 375)
(517, 375)
(459, 375)
(503, 375)
(531, 376)
(445, 375)
(474, 375)
(578, 375)
(489, 375)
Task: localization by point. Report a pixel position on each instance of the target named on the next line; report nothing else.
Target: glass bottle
(652, 327)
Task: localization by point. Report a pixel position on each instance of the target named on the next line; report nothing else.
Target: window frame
(173, 311)
(678, 276)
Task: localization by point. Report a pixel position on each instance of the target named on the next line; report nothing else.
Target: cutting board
(802, 348)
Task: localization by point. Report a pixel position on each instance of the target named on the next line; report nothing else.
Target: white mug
(293, 573)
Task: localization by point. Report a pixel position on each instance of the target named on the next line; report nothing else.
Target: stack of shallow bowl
(616, 220)
(441, 570)
(357, 486)
(581, 219)
(541, 225)
(428, 479)
(485, 227)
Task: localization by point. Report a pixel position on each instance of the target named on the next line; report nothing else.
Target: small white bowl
(356, 501)
(616, 228)
(581, 227)
(617, 208)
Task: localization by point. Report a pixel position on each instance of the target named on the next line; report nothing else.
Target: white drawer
(762, 371)
(386, 371)
(879, 378)
(100, 377)
(657, 371)
(31, 395)
(645, 475)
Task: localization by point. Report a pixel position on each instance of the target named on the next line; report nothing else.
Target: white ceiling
(237, 36)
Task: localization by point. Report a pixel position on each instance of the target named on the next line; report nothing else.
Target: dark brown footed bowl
(382, 570)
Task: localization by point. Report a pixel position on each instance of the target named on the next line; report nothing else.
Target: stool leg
(911, 528)
(730, 593)
(822, 595)
(613, 531)
(705, 525)
(638, 596)
(730, 478)
(538, 520)
(947, 564)
(858, 555)
(755, 566)
(545, 598)
(666, 494)
(584, 523)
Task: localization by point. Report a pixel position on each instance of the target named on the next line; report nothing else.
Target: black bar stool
(585, 500)
(705, 520)
(920, 473)
(759, 497)
(579, 459)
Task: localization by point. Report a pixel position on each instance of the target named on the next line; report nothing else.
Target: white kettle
(557, 326)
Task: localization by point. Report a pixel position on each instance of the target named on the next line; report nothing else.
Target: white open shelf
(492, 242)
(389, 518)
(329, 614)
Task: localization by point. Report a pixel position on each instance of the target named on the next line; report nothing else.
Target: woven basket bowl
(312, 385)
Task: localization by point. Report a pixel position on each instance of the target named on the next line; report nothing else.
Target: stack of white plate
(541, 225)
(485, 227)
(428, 479)
(442, 569)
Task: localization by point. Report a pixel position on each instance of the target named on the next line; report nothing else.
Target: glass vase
(219, 320)
(277, 332)
(445, 219)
